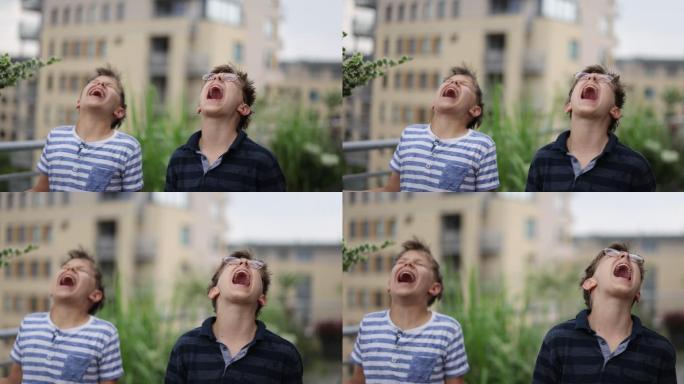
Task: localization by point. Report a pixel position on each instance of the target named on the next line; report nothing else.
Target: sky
(310, 29)
(652, 27)
(284, 217)
(627, 213)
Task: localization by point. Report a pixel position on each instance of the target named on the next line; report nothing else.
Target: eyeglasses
(610, 252)
(229, 77)
(254, 264)
(600, 77)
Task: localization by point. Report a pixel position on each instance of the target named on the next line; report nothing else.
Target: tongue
(215, 93)
(622, 271)
(241, 278)
(589, 93)
(450, 93)
(405, 278)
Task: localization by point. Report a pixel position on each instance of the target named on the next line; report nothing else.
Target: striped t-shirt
(85, 354)
(426, 163)
(110, 165)
(430, 353)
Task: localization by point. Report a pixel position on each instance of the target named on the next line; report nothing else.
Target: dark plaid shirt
(197, 358)
(571, 353)
(616, 169)
(246, 166)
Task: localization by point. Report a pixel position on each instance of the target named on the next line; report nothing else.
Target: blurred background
(163, 47)
(158, 252)
(525, 53)
(512, 264)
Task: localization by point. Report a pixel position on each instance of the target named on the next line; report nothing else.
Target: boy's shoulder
(658, 341)
(128, 139)
(482, 138)
(35, 318)
(104, 326)
(62, 131)
(374, 317)
(413, 129)
(561, 331)
(446, 320)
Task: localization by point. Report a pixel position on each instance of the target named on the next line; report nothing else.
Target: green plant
(353, 255)
(357, 71)
(11, 72)
(7, 254)
(159, 132)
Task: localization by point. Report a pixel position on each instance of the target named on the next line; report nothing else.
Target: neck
(217, 134)
(91, 127)
(409, 316)
(448, 126)
(234, 322)
(66, 316)
(586, 137)
(611, 317)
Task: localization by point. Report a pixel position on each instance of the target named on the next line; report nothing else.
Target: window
(411, 46)
(47, 269)
(650, 69)
(268, 28)
(425, 46)
(649, 93)
(78, 15)
(352, 229)
(409, 80)
(47, 233)
(437, 45)
(304, 254)
(382, 112)
(365, 229)
(565, 10)
(106, 12)
(414, 11)
(313, 95)
(441, 9)
(54, 15)
(391, 228)
(90, 13)
(49, 82)
(397, 80)
(33, 269)
(400, 46)
(66, 15)
(530, 228)
(385, 46)
(51, 48)
(573, 50)
(388, 14)
(380, 226)
(504, 6)
(101, 48)
(427, 10)
(422, 80)
(90, 48)
(400, 12)
(228, 11)
(237, 52)
(455, 8)
(672, 70)
(120, 11)
(378, 264)
(35, 233)
(21, 269)
(185, 235)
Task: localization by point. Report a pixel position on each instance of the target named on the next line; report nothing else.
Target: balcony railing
(32, 5)
(366, 3)
(12, 146)
(6, 335)
(494, 61)
(365, 146)
(29, 31)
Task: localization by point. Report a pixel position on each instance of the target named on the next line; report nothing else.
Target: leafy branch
(10, 253)
(353, 255)
(357, 71)
(12, 72)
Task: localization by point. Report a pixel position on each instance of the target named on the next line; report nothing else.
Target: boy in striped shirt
(409, 343)
(448, 154)
(69, 344)
(93, 155)
(606, 343)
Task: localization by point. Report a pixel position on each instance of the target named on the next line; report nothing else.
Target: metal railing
(6, 334)
(349, 331)
(365, 146)
(15, 146)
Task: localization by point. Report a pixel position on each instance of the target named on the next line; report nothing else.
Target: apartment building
(316, 273)
(531, 48)
(164, 44)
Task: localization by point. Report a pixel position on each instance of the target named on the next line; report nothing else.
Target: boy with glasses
(606, 343)
(93, 156)
(448, 154)
(220, 156)
(68, 344)
(234, 347)
(589, 156)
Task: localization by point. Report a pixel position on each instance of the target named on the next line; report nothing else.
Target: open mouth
(450, 92)
(242, 277)
(589, 92)
(623, 270)
(97, 92)
(406, 276)
(67, 281)
(215, 93)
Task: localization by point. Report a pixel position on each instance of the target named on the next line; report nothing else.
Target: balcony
(490, 242)
(159, 63)
(32, 5)
(451, 242)
(106, 248)
(29, 31)
(197, 64)
(363, 29)
(494, 61)
(535, 63)
(373, 4)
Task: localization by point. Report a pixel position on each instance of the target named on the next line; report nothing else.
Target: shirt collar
(582, 322)
(561, 143)
(207, 331)
(193, 141)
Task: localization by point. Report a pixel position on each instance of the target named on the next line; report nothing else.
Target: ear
(637, 297)
(78, 104)
(119, 112)
(213, 293)
(589, 284)
(568, 108)
(95, 296)
(435, 289)
(262, 300)
(475, 111)
(199, 110)
(244, 109)
(615, 112)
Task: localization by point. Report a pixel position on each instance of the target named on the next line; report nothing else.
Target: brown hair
(248, 90)
(416, 245)
(464, 70)
(109, 71)
(618, 90)
(591, 269)
(242, 254)
(83, 255)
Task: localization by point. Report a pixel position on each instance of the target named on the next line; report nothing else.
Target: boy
(234, 347)
(93, 156)
(69, 344)
(589, 156)
(448, 154)
(605, 343)
(409, 343)
(220, 156)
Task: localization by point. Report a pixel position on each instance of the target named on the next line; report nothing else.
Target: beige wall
(663, 75)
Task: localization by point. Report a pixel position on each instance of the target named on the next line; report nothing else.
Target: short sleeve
(395, 163)
(133, 173)
(17, 349)
(110, 366)
(487, 177)
(43, 163)
(456, 361)
(357, 352)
